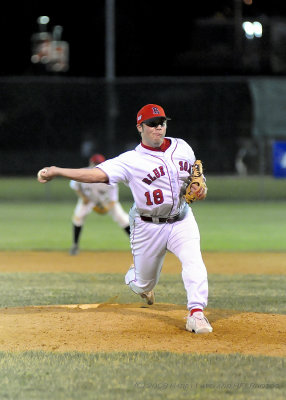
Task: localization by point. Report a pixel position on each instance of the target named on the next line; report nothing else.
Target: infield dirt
(138, 327)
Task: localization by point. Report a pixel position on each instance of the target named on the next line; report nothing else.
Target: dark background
(191, 57)
(152, 37)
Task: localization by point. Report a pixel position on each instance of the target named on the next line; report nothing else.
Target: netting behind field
(62, 121)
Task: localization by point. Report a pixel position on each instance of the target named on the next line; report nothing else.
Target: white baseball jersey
(157, 179)
(97, 193)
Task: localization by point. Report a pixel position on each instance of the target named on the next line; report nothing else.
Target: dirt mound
(136, 327)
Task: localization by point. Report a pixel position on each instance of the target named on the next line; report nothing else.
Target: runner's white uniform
(157, 180)
(98, 193)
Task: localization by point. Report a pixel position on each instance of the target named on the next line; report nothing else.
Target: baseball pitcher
(165, 178)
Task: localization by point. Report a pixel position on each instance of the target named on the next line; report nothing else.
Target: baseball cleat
(198, 323)
(74, 250)
(149, 297)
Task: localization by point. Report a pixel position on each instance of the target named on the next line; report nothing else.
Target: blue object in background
(279, 159)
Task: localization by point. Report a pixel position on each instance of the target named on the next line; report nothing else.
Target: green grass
(248, 226)
(256, 293)
(35, 216)
(27, 189)
(147, 376)
(222, 188)
(254, 188)
(224, 226)
(48, 226)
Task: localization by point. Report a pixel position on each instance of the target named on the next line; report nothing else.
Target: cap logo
(140, 117)
(155, 110)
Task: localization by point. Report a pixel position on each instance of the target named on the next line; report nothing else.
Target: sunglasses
(154, 122)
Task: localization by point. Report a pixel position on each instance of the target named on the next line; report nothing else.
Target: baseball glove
(198, 179)
(100, 209)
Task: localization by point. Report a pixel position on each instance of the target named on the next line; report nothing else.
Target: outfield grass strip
(129, 375)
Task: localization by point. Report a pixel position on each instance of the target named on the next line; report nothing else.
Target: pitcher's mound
(136, 327)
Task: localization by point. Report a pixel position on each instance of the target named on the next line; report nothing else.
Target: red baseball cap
(96, 159)
(150, 111)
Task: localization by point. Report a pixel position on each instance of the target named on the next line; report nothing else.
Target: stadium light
(43, 20)
(252, 29)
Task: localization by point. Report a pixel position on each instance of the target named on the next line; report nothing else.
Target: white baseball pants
(149, 244)
(116, 212)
